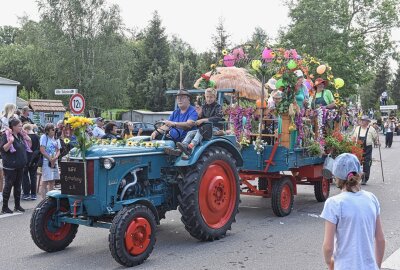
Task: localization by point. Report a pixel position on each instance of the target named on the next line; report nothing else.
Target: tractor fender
(220, 142)
(145, 202)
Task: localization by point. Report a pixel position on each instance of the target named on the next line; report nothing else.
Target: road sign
(388, 107)
(65, 91)
(77, 104)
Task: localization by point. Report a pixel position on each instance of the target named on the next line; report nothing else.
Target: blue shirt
(355, 217)
(177, 116)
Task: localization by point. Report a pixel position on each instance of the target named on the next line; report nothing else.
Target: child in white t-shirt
(353, 232)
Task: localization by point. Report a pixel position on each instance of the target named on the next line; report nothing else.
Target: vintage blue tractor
(128, 189)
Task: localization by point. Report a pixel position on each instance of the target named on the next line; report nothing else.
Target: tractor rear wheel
(282, 197)
(209, 195)
(321, 189)
(132, 235)
(45, 231)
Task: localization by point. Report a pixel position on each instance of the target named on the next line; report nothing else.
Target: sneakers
(184, 148)
(172, 152)
(18, 209)
(33, 197)
(26, 197)
(6, 210)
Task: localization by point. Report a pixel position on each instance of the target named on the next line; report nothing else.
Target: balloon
(256, 64)
(339, 83)
(258, 103)
(229, 60)
(280, 83)
(308, 85)
(321, 69)
(291, 64)
(267, 55)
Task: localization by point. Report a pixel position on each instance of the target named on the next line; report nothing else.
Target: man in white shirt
(384, 97)
(389, 128)
(98, 131)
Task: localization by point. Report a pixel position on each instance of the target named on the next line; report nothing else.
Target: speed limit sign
(77, 104)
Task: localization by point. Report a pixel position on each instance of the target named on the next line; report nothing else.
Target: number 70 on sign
(77, 104)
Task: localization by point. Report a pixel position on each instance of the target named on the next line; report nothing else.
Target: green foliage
(28, 94)
(8, 34)
(314, 149)
(395, 91)
(113, 114)
(221, 38)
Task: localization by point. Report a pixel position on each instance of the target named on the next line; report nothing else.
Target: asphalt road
(258, 240)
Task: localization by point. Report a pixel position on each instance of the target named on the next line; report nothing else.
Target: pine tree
(221, 39)
(381, 83)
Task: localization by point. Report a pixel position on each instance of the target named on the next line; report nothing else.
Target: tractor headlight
(108, 163)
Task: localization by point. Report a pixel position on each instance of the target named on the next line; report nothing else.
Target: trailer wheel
(282, 197)
(44, 230)
(132, 235)
(209, 195)
(321, 189)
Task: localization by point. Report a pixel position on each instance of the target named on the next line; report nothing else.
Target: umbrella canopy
(240, 79)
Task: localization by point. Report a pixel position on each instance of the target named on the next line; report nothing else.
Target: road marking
(10, 215)
(393, 261)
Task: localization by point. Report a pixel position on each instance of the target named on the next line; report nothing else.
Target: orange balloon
(321, 69)
(258, 103)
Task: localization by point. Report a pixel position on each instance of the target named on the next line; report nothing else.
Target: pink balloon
(229, 60)
(267, 55)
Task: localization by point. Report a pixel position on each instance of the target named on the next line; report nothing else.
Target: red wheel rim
(137, 237)
(217, 194)
(53, 232)
(325, 187)
(286, 197)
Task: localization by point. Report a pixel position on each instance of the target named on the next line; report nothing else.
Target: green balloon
(291, 64)
(280, 83)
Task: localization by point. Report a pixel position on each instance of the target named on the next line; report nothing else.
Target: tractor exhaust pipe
(130, 184)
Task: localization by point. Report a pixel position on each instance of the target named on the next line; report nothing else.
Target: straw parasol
(240, 79)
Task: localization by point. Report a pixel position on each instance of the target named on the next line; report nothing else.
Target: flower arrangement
(206, 81)
(241, 118)
(127, 143)
(79, 125)
(337, 143)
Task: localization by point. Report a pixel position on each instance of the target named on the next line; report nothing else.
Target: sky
(193, 21)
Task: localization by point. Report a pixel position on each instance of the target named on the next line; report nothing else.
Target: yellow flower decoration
(336, 95)
(130, 143)
(149, 144)
(67, 141)
(213, 66)
(224, 52)
(220, 62)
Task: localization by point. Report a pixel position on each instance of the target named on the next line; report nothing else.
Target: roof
(4, 81)
(153, 113)
(45, 105)
(21, 102)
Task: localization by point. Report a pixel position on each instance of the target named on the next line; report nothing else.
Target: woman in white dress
(50, 149)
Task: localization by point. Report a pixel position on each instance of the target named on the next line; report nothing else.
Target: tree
(220, 40)
(350, 35)
(8, 34)
(395, 91)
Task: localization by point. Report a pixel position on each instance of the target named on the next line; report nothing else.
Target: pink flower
(238, 53)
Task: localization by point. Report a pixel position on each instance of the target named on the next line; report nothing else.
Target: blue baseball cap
(344, 164)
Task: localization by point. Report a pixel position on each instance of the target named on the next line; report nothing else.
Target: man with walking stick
(367, 135)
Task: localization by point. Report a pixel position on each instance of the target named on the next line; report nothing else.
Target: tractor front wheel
(46, 232)
(132, 235)
(209, 195)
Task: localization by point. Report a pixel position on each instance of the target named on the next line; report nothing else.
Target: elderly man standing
(25, 116)
(180, 121)
(368, 136)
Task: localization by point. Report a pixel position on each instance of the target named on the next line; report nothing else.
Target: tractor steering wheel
(166, 132)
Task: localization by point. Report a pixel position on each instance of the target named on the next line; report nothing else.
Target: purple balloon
(307, 84)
